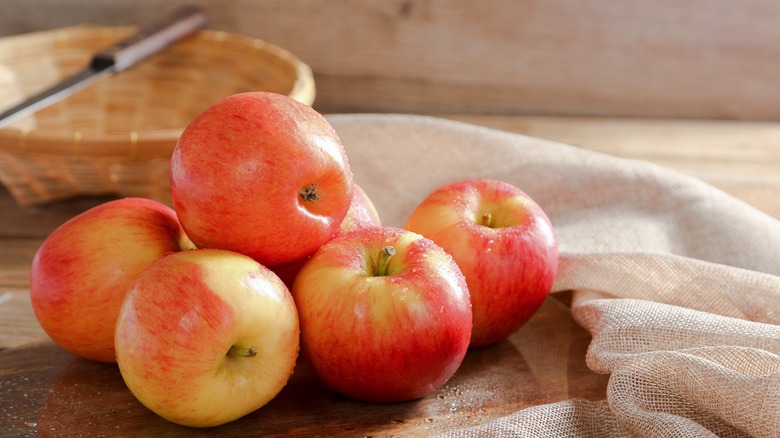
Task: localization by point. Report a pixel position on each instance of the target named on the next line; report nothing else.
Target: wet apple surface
(503, 242)
(207, 336)
(385, 314)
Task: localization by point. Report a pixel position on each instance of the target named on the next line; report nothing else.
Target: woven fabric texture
(677, 282)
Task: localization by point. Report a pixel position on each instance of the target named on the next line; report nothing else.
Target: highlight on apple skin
(385, 315)
(207, 336)
(261, 174)
(504, 244)
(83, 270)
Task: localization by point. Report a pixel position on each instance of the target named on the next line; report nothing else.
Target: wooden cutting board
(47, 392)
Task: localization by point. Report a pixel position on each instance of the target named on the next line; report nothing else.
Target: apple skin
(361, 214)
(383, 338)
(179, 322)
(82, 271)
(509, 265)
(260, 174)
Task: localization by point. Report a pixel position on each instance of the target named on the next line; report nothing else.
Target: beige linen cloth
(678, 282)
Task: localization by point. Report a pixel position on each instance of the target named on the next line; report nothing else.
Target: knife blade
(120, 56)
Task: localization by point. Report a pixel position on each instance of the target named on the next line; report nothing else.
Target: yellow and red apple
(81, 273)
(504, 244)
(385, 314)
(261, 174)
(207, 336)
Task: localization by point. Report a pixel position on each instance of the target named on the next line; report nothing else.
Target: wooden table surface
(43, 389)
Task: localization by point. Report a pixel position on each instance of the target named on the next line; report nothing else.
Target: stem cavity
(242, 352)
(309, 193)
(384, 257)
(487, 220)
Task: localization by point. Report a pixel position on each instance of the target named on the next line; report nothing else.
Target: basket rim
(303, 90)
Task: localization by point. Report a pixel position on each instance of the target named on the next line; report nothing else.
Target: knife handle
(150, 40)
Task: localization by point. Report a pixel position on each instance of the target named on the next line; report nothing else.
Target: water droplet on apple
(429, 420)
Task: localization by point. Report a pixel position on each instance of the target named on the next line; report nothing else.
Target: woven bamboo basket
(116, 136)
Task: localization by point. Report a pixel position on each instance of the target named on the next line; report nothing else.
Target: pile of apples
(271, 249)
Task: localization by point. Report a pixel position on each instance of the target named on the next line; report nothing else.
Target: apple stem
(245, 352)
(487, 219)
(384, 257)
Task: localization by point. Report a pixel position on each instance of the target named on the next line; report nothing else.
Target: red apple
(263, 175)
(382, 327)
(207, 336)
(83, 270)
(361, 214)
(504, 244)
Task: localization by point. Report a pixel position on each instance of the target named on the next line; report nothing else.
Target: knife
(120, 56)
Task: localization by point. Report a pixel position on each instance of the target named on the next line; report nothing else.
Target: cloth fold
(677, 282)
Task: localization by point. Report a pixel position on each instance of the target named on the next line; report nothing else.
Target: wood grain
(48, 392)
(648, 58)
(19, 326)
(697, 146)
(741, 158)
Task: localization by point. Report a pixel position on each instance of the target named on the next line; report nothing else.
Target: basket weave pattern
(116, 136)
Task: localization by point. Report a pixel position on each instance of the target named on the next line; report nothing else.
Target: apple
(504, 244)
(385, 314)
(207, 336)
(261, 174)
(82, 271)
(361, 214)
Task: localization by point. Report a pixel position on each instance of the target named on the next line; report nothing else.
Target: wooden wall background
(712, 59)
